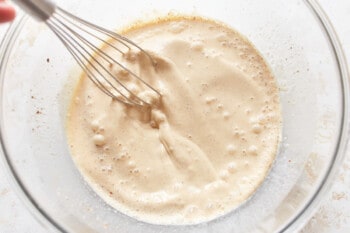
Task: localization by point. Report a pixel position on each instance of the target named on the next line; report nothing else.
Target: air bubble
(131, 164)
(99, 139)
(256, 128)
(231, 149)
(226, 115)
(253, 150)
(232, 167)
(106, 168)
(197, 46)
(95, 124)
(209, 100)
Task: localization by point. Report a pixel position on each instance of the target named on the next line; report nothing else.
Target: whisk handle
(40, 9)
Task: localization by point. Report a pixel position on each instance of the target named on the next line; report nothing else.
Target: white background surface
(333, 215)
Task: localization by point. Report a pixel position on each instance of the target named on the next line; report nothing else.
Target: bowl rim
(295, 223)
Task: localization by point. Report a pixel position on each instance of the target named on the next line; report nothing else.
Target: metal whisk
(83, 40)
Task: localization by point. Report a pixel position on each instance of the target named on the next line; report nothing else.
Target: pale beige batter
(203, 148)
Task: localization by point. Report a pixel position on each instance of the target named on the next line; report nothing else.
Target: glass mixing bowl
(38, 75)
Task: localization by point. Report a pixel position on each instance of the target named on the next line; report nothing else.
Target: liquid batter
(203, 148)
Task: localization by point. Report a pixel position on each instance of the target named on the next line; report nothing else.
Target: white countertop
(333, 215)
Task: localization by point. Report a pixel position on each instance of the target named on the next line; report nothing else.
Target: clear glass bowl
(37, 76)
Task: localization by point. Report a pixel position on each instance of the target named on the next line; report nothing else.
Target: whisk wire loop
(83, 40)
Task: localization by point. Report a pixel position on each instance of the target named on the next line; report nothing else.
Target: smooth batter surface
(203, 148)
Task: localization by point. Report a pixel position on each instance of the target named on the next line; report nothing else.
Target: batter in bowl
(203, 148)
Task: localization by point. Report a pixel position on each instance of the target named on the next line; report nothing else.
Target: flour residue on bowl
(203, 147)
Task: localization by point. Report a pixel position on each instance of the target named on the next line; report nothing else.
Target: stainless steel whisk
(83, 40)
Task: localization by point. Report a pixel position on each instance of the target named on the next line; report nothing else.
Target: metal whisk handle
(40, 9)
